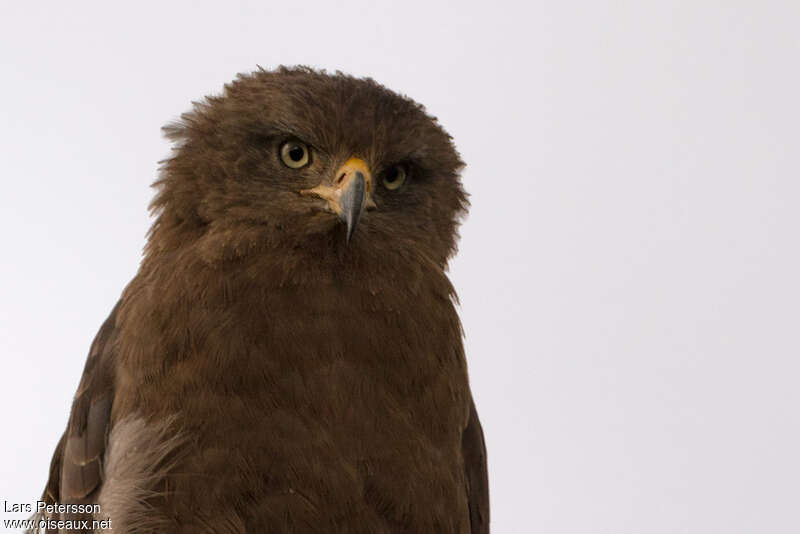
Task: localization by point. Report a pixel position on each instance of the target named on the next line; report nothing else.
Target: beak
(352, 202)
(350, 193)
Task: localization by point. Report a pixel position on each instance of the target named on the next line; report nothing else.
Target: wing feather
(76, 467)
(473, 448)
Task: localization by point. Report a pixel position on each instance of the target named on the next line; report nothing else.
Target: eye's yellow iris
(295, 154)
(395, 178)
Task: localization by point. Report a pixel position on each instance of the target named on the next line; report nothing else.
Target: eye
(394, 178)
(295, 154)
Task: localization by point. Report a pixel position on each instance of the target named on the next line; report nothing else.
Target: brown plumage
(288, 357)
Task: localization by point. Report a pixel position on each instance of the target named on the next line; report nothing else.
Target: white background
(628, 272)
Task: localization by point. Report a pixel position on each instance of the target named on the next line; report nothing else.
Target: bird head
(303, 160)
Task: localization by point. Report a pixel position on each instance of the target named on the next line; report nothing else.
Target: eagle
(288, 357)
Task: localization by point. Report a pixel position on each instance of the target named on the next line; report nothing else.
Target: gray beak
(352, 202)
(347, 192)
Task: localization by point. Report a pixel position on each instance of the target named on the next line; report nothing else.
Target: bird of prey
(288, 358)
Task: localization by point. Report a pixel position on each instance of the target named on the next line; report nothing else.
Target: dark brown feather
(262, 373)
(76, 468)
(473, 448)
